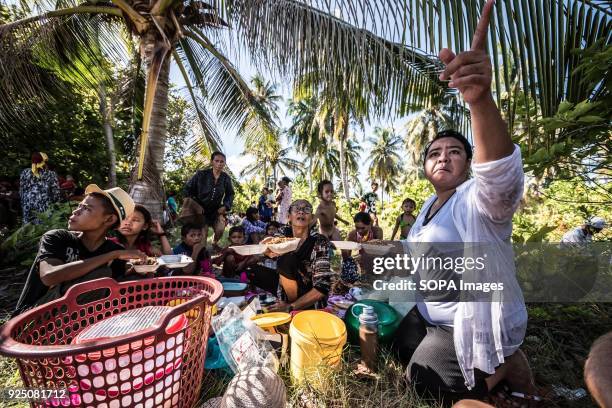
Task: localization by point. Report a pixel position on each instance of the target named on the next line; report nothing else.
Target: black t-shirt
(66, 246)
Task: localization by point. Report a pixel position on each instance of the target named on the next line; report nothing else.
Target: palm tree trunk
(148, 191)
(343, 122)
(310, 175)
(382, 196)
(108, 134)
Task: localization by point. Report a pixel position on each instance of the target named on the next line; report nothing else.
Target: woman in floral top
(38, 188)
(305, 274)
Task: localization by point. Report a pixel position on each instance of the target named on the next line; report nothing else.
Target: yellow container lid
(267, 320)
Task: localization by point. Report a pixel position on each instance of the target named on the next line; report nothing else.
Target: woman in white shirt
(463, 349)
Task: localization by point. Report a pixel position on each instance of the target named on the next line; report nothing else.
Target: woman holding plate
(305, 274)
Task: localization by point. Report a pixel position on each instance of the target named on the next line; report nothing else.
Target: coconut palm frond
(206, 127)
(43, 53)
(297, 39)
(223, 86)
(385, 159)
(531, 42)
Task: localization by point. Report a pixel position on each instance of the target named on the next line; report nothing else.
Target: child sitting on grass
(193, 246)
(254, 229)
(233, 263)
(405, 220)
(137, 230)
(364, 231)
(272, 229)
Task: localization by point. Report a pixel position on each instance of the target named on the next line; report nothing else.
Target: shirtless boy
(326, 211)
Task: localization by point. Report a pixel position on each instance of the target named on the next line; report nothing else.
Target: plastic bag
(242, 343)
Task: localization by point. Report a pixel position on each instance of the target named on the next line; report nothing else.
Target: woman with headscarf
(38, 188)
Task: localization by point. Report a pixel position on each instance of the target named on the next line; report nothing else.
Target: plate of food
(281, 245)
(376, 247)
(347, 245)
(174, 261)
(246, 250)
(147, 266)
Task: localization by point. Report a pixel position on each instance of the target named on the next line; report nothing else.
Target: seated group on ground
(107, 230)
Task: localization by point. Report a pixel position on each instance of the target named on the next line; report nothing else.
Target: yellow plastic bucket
(317, 340)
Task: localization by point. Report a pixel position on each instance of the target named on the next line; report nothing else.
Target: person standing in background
(283, 198)
(212, 189)
(370, 199)
(264, 206)
(38, 188)
(172, 206)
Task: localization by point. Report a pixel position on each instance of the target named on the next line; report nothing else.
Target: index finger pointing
(479, 41)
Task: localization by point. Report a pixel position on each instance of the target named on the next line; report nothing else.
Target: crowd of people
(107, 231)
(453, 350)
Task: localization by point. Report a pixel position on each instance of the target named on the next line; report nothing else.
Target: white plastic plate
(246, 250)
(347, 245)
(174, 261)
(376, 249)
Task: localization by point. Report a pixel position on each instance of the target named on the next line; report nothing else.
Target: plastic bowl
(246, 250)
(146, 268)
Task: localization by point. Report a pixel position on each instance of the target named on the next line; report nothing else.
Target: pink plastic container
(159, 366)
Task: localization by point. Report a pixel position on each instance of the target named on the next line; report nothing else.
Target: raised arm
(345, 222)
(470, 72)
(158, 230)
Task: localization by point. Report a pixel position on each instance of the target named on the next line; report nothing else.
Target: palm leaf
(46, 50)
(222, 85)
(348, 61)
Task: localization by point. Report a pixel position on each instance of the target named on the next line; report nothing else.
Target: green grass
(343, 389)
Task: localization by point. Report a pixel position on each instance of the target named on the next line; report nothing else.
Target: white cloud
(237, 163)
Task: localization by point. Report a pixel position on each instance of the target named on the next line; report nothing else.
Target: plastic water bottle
(368, 337)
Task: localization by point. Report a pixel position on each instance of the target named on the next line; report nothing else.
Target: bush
(20, 247)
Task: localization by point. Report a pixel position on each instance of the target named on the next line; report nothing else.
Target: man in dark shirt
(82, 252)
(212, 189)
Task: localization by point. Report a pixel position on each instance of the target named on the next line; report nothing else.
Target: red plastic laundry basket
(116, 372)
